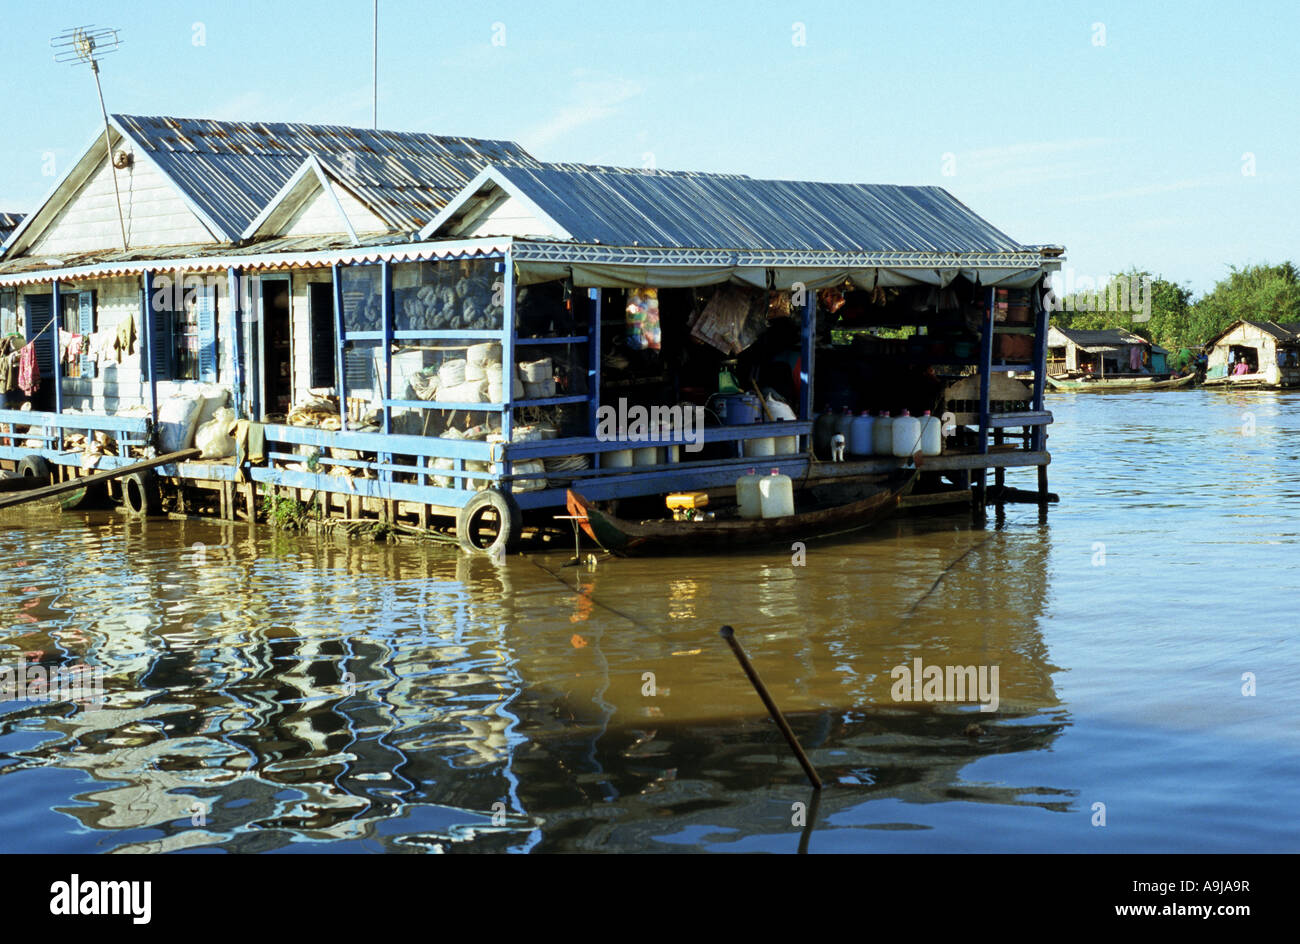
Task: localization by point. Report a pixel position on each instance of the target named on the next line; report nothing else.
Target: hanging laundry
(9, 348)
(29, 373)
(125, 338)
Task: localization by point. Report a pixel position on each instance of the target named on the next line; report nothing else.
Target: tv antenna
(88, 44)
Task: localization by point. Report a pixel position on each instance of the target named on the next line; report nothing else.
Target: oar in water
(729, 635)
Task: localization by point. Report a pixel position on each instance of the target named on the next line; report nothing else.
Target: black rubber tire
(34, 467)
(140, 494)
(507, 527)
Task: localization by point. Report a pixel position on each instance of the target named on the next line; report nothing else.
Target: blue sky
(1133, 134)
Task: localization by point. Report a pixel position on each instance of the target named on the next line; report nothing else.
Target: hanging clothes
(1135, 358)
(9, 348)
(29, 372)
(125, 338)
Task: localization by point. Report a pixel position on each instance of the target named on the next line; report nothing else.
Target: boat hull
(1120, 385)
(650, 538)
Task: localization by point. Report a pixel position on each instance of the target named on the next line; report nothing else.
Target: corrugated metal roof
(616, 207)
(274, 253)
(8, 222)
(231, 169)
(1107, 338)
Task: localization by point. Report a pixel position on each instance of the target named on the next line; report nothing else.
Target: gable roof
(616, 207)
(1272, 328)
(229, 171)
(232, 169)
(1105, 339)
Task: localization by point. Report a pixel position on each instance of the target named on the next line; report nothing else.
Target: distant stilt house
(1108, 352)
(412, 325)
(1254, 354)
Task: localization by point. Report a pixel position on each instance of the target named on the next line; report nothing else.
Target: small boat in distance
(1119, 384)
(820, 512)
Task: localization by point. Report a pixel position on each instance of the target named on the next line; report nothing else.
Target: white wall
(155, 215)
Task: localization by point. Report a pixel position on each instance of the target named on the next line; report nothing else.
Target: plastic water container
(844, 423)
(931, 435)
(907, 434)
(645, 455)
(742, 409)
(882, 435)
(616, 459)
(860, 443)
(761, 447)
(776, 495)
(786, 445)
(747, 495)
(823, 430)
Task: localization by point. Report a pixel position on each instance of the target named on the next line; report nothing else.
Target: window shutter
(40, 309)
(206, 312)
(86, 327)
(160, 345)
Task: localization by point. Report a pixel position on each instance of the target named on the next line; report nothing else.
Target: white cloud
(594, 97)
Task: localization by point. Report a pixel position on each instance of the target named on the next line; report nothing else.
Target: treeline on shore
(1255, 293)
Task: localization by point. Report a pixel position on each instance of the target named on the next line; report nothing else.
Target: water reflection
(267, 689)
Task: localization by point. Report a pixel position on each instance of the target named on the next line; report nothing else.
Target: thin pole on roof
(87, 44)
(374, 81)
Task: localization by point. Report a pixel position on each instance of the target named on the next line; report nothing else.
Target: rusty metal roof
(231, 169)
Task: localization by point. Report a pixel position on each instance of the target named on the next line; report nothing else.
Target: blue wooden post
(235, 290)
(1041, 318)
(593, 361)
(386, 324)
(986, 372)
(1042, 321)
(508, 368)
(57, 312)
(340, 358)
(386, 308)
(147, 371)
(807, 351)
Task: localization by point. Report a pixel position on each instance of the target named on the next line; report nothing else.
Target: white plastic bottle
(907, 434)
(860, 443)
(882, 435)
(931, 435)
(844, 423)
(747, 495)
(776, 495)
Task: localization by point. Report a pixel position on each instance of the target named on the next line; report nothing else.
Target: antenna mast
(87, 44)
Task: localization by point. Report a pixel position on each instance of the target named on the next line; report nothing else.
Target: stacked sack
(538, 379)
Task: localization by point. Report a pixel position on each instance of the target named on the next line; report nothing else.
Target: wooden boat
(820, 512)
(1118, 384)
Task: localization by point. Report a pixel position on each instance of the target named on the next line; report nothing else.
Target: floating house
(423, 327)
(1270, 353)
(1108, 352)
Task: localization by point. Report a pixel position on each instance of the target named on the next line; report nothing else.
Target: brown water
(277, 692)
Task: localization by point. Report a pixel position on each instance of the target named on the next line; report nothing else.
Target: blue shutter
(160, 345)
(86, 327)
(206, 312)
(39, 311)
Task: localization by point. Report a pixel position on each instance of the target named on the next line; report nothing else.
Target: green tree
(1170, 323)
(1255, 293)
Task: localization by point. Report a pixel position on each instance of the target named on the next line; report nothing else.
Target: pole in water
(729, 635)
